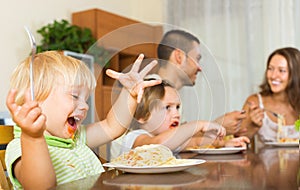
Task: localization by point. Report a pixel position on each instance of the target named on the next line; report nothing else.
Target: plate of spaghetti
(151, 159)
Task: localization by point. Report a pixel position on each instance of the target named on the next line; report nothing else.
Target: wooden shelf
(126, 37)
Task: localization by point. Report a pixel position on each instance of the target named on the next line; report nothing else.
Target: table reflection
(281, 166)
(267, 168)
(166, 181)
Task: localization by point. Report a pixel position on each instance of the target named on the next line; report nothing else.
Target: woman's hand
(256, 114)
(27, 116)
(133, 80)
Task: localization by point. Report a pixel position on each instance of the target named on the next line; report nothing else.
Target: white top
(268, 131)
(125, 142)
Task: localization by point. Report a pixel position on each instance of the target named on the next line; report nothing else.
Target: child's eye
(178, 107)
(75, 96)
(168, 107)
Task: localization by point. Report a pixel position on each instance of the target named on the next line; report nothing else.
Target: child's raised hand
(133, 80)
(27, 116)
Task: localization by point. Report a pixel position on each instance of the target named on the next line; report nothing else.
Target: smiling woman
(279, 91)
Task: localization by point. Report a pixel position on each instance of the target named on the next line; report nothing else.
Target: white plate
(282, 143)
(157, 169)
(225, 150)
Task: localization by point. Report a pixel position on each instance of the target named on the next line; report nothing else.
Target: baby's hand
(133, 80)
(27, 116)
(238, 142)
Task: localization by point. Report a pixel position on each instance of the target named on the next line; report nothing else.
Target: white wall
(236, 39)
(14, 14)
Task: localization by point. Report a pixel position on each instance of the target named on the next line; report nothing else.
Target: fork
(273, 113)
(33, 52)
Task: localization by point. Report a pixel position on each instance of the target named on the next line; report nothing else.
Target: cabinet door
(126, 37)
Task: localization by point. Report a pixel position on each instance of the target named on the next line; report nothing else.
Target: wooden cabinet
(125, 38)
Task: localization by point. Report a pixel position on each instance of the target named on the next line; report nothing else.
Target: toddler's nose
(83, 105)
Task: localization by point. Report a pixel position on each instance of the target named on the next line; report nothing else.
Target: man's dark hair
(175, 39)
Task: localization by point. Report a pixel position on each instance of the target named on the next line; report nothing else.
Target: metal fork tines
(273, 113)
(33, 52)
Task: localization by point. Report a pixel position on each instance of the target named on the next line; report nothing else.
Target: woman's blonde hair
(48, 69)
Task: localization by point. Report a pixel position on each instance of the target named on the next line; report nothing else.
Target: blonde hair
(48, 69)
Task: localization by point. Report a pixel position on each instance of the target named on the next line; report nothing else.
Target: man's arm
(231, 121)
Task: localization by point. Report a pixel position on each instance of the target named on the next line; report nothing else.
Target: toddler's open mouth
(174, 124)
(72, 125)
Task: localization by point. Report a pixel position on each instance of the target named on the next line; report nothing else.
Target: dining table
(270, 167)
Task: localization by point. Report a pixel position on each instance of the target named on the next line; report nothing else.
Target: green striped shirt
(72, 160)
